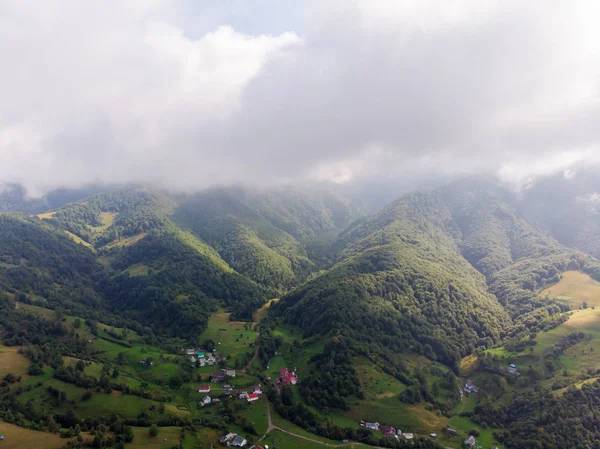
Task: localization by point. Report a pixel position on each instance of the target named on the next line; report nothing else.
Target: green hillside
(275, 237)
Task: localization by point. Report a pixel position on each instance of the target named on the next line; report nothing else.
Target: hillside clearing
(12, 362)
(16, 437)
(575, 287)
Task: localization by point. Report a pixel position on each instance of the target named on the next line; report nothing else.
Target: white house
(206, 400)
(372, 425)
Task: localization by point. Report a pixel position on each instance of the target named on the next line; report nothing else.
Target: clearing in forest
(577, 288)
(12, 362)
(16, 437)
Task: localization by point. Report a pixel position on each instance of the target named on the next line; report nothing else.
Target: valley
(397, 329)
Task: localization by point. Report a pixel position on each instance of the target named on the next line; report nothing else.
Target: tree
(153, 431)
(80, 366)
(77, 323)
(175, 382)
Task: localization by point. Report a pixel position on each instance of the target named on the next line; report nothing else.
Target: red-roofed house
(288, 380)
(204, 389)
(284, 372)
(252, 397)
(387, 430)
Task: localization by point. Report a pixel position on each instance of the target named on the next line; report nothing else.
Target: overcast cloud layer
(191, 94)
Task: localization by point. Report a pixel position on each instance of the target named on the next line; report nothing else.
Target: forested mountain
(451, 270)
(167, 260)
(275, 237)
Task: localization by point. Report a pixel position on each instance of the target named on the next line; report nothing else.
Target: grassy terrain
(16, 437)
(78, 239)
(127, 241)
(232, 338)
(46, 215)
(108, 219)
(12, 362)
(283, 440)
(138, 269)
(143, 440)
(576, 287)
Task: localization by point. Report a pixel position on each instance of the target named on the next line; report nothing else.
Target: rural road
(272, 427)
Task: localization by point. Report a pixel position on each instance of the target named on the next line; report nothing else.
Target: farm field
(16, 437)
(142, 439)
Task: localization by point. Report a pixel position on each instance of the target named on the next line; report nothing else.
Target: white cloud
(119, 90)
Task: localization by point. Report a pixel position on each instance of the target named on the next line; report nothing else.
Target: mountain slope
(454, 269)
(402, 283)
(270, 236)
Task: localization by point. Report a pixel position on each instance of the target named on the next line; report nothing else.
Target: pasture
(233, 339)
(16, 437)
(12, 362)
(575, 287)
(143, 440)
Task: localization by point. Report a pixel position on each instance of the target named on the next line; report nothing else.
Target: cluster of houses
(233, 439)
(388, 431)
(219, 376)
(468, 389)
(200, 357)
(287, 377)
(230, 392)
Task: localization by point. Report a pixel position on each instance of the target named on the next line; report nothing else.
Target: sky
(191, 94)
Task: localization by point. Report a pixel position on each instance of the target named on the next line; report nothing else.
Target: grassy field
(108, 219)
(12, 362)
(78, 239)
(16, 437)
(127, 241)
(231, 337)
(283, 440)
(576, 287)
(138, 269)
(46, 215)
(143, 440)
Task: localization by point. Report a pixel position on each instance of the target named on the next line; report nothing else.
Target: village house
(387, 430)
(257, 389)
(470, 387)
(243, 395)
(470, 442)
(205, 400)
(217, 376)
(238, 441)
(215, 400)
(433, 435)
(287, 377)
(451, 431)
(225, 438)
(146, 362)
(408, 436)
(512, 369)
(230, 372)
(204, 389)
(227, 387)
(372, 425)
(252, 397)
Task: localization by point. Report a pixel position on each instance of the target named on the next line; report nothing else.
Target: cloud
(119, 91)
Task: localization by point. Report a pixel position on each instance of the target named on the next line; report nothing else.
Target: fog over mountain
(188, 95)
